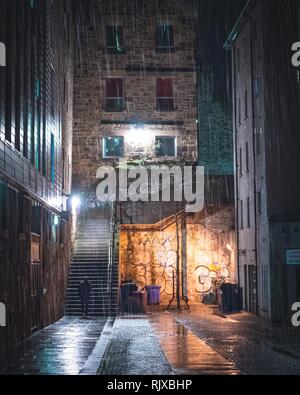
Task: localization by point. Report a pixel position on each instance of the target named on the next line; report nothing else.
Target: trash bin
(127, 290)
(153, 294)
(229, 298)
(139, 302)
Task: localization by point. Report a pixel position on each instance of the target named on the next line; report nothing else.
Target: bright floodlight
(75, 201)
(229, 247)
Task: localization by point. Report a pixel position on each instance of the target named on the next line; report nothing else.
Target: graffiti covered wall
(204, 250)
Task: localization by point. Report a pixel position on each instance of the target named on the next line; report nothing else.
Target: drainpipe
(177, 265)
(254, 159)
(236, 185)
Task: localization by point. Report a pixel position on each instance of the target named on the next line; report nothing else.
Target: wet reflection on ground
(60, 349)
(186, 352)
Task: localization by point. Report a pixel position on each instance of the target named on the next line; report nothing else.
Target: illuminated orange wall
(148, 255)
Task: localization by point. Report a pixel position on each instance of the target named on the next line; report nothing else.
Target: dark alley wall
(35, 163)
(35, 249)
(215, 125)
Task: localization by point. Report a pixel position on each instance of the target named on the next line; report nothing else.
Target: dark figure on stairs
(85, 289)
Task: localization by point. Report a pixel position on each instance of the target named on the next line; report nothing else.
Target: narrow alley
(167, 343)
(149, 188)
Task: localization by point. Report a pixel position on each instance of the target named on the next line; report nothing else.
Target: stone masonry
(139, 65)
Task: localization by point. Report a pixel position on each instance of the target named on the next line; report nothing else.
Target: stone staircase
(90, 259)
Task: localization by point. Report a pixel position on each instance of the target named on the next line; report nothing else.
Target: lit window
(164, 38)
(115, 39)
(114, 94)
(113, 147)
(165, 96)
(165, 146)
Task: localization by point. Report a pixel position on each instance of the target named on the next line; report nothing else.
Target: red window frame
(165, 93)
(115, 94)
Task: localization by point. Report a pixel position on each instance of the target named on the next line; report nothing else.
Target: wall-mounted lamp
(75, 203)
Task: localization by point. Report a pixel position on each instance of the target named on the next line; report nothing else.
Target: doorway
(35, 274)
(250, 290)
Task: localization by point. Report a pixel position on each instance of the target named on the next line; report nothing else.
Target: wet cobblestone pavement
(197, 343)
(254, 346)
(134, 350)
(60, 349)
(186, 352)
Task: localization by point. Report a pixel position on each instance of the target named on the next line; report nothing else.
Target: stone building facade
(266, 114)
(138, 97)
(135, 84)
(35, 163)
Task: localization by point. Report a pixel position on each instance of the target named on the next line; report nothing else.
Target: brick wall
(140, 65)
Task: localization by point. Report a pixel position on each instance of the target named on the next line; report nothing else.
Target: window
(241, 162)
(36, 219)
(165, 97)
(61, 232)
(52, 93)
(52, 159)
(247, 157)
(115, 39)
(246, 105)
(114, 94)
(21, 212)
(257, 140)
(3, 206)
(241, 215)
(238, 56)
(54, 219)
(257, 86)
(165, 146)
(245, 49)
(259, 202)
(164, 38)
(248, 213)
(113, 147)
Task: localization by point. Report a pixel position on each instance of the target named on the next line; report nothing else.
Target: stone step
(90, 259)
